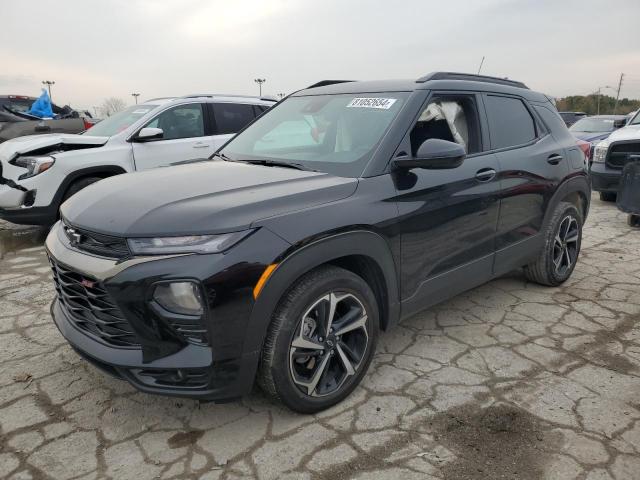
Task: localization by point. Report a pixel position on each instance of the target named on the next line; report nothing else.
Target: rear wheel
(633, 220)
(608, 196)
(321, 340)
(560, 253)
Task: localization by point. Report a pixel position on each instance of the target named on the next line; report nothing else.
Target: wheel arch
(102, 171)
(365, 253)
(577, 191)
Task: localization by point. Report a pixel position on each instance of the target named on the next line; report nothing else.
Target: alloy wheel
(329, 344)
(565, 245)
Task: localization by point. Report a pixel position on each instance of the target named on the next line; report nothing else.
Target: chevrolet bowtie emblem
(74, 236)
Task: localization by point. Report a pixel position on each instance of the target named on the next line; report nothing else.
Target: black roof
(436, 80)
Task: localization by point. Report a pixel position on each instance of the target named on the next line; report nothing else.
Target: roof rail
(470, 77)
(158, 98)
(324, 83)
(210, 95)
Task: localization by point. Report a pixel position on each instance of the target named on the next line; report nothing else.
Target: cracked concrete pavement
(509, 380)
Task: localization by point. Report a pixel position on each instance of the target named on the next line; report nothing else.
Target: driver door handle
(554, 159)
(200, 145)
(485, 174)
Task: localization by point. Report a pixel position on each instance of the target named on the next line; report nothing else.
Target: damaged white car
(39, 172)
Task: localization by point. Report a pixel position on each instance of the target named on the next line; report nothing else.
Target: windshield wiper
(278, 163)
(224, 157)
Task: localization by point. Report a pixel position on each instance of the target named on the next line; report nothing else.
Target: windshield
(593, 125)
(330, 133)
(635, 120)
(119, 122)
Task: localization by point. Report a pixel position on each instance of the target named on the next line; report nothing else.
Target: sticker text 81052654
(381, 103)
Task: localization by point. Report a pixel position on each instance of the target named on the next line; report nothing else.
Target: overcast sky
(103, 48)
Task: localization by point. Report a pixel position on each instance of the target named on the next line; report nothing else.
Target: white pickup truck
(39, 172)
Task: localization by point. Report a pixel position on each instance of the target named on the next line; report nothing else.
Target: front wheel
(560, 252)
(321, 340)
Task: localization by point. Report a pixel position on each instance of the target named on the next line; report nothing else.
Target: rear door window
(510, 122)
(232, 117)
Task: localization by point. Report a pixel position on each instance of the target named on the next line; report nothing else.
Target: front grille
(90, 307)
(97, 243)
(620, 153)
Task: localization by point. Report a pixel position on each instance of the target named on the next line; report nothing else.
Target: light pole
(599, 95)
(260, 81)
(135, 95)
(48, 83)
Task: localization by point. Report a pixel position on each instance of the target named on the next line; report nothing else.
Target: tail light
(87, 125)
(586, 149)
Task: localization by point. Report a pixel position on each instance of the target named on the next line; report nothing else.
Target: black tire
(545, 269)
(608, 196)
(283, 365)
(78, 185)
(633, 221)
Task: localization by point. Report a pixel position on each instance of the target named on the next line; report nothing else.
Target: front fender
(295, 264)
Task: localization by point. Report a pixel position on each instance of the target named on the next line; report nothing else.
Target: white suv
(39, 172)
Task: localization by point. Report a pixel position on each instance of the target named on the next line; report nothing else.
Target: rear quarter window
(552, 119)
(510, 123)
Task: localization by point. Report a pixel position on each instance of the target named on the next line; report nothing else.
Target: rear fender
(576, 184)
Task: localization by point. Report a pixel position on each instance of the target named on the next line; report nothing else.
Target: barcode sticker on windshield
(382, 103)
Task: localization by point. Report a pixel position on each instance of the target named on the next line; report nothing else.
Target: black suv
(344, 209)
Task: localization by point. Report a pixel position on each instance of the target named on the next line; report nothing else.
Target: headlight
(179, 297)
(34, 165)
(600, 151)
(190, 244)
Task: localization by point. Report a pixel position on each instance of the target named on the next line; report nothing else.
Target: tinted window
(552, 119)
(183, 121)
(232, 117)
(510, 123)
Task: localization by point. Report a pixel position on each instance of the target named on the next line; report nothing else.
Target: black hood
(199, 198)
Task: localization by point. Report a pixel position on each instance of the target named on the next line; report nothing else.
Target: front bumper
(603, 178)
(191, 372)
(15, 207)
(221, 370)
(43, 216)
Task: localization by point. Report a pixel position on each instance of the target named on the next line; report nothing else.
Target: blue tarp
(42, 106)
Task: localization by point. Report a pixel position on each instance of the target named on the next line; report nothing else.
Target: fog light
(179, 297)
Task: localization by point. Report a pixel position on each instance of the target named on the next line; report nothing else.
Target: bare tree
(112, 105)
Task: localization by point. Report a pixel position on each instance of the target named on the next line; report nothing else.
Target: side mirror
(149, 134)
(434, 154)
(619, 123)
